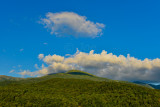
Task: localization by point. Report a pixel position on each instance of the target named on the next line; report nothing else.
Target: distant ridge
(155, 86)
(143, 84)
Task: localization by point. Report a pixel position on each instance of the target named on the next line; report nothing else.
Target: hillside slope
(75, 88)
(72, 74)
(62, 92)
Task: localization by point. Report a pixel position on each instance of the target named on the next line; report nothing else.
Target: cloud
(54, 58)
(71, 24)
(11, 71)
(102, 64)
(36, 66)
(26, 72)
(41, 56)
(55, 67)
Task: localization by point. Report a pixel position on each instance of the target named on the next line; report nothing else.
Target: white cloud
(103, 64)
(26, 72)
(55, 58)
(71, 24)
(55, 67)
(41, 56)
(11, 71)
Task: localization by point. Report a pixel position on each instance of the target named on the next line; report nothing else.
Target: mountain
(155, 86)
(76, 89)
(143, 84)
(76, 74)
(147, 84)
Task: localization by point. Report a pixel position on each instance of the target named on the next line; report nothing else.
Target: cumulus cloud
(71, 24)
(55, 58)
(102, 64)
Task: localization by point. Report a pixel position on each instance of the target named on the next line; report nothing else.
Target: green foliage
(61, 92)
(75, 89)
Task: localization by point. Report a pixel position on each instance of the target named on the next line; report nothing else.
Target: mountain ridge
(71, 74)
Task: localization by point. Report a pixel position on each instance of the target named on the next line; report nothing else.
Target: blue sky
(131, 27)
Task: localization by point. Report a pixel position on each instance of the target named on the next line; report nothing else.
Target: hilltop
(71, 74)
(76, 74)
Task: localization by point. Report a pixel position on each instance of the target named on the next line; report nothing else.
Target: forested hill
(75, 74)
(76, 89)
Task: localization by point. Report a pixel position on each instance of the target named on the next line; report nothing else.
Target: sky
(67, 28)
